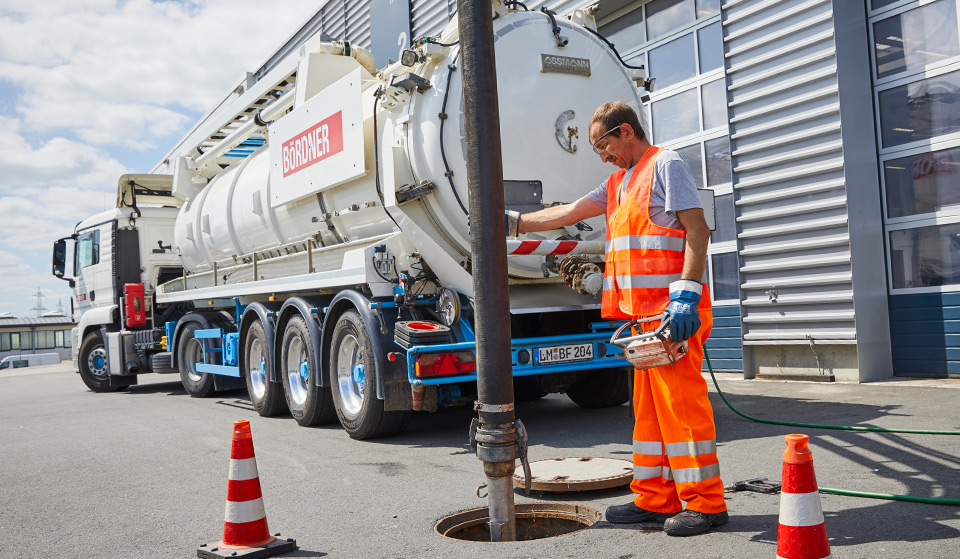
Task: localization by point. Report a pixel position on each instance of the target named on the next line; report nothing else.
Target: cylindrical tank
(547, 95)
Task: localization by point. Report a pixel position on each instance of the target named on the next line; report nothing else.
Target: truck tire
(353, 379)
(189, 353)
(602, 389)
(527, 388)
(93, 364)
(309, 404)
(266, 396)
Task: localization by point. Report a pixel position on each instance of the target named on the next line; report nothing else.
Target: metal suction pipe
(496, 436)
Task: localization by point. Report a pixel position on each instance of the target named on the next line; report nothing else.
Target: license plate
(563, 354)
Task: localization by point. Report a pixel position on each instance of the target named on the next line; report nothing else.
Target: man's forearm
(555, 217)
(545, 219)
(695, 254)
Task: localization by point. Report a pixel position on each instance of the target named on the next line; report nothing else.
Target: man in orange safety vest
(655, 256)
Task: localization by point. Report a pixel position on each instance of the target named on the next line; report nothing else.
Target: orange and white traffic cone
(245, 520)
(802, 533)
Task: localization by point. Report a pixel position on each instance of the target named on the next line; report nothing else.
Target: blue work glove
(682, 312)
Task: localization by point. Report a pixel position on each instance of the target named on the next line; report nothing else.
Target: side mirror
(60, 261)
(60, 258)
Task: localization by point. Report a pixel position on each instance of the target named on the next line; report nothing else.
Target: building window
(664, 16)
(676, 116)
(15, 341)
(710, 41)
(922, 183)
(925, 256)
(45, 339)
(59, 339)
(916, 62)
(714, 100)
(626, 32)
(707, 8)
(4, 341)
(726, 229)
(691, 156)
(920, 110)
(724, 274)
(682, 42)
(913, 39)
(673, 62)
(718, 161)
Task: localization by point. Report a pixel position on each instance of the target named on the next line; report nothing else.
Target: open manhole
(535, 521)
(576, 474)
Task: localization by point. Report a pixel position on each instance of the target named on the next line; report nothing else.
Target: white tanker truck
(313, 245)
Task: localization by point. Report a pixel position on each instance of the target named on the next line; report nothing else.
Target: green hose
(818, 425)
(845, 492)
(889, 497)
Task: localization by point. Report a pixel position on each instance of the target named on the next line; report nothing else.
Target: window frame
(949, 215)
(904, 81)
(701, 136)
(892, 11)
(903, 221)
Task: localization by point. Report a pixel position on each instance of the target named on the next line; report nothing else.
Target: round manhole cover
(576, 474)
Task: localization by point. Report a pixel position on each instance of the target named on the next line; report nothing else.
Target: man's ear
(627, 131)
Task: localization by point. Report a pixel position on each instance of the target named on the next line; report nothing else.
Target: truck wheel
(189, 353)
(309, 404)
(602, 389)
(353, 377)
(527, 388)
(93, 364)
(266, 396)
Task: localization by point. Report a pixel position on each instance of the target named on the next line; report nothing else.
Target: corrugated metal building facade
(829, 131)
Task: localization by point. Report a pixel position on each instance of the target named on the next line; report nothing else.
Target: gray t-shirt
(673, 190)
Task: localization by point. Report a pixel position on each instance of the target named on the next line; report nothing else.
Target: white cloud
(120, 73)
(93, 75)
(57, 161)
(44, 190)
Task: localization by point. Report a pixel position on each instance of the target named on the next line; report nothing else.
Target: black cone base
(276, 547)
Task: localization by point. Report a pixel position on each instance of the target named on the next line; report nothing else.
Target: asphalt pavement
(142, 473)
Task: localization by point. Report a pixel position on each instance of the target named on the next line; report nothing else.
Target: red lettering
(313, 145)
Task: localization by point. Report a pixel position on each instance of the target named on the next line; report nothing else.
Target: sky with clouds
(93, 89)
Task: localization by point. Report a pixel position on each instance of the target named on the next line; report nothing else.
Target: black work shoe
(630, 513)
(691, 523)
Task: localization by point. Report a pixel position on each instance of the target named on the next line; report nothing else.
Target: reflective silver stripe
(648, 472)
(648, 242)
(244, 511)
(801, 509)
(647, 281)
(691, 448)
(694, 475)
(242, 470)
(607, 283)
(649, 448)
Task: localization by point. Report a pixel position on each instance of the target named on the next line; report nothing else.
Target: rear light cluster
(443, 364)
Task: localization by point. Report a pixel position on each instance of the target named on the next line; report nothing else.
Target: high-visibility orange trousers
(674, 437)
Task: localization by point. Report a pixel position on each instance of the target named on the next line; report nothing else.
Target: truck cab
(114, 261)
